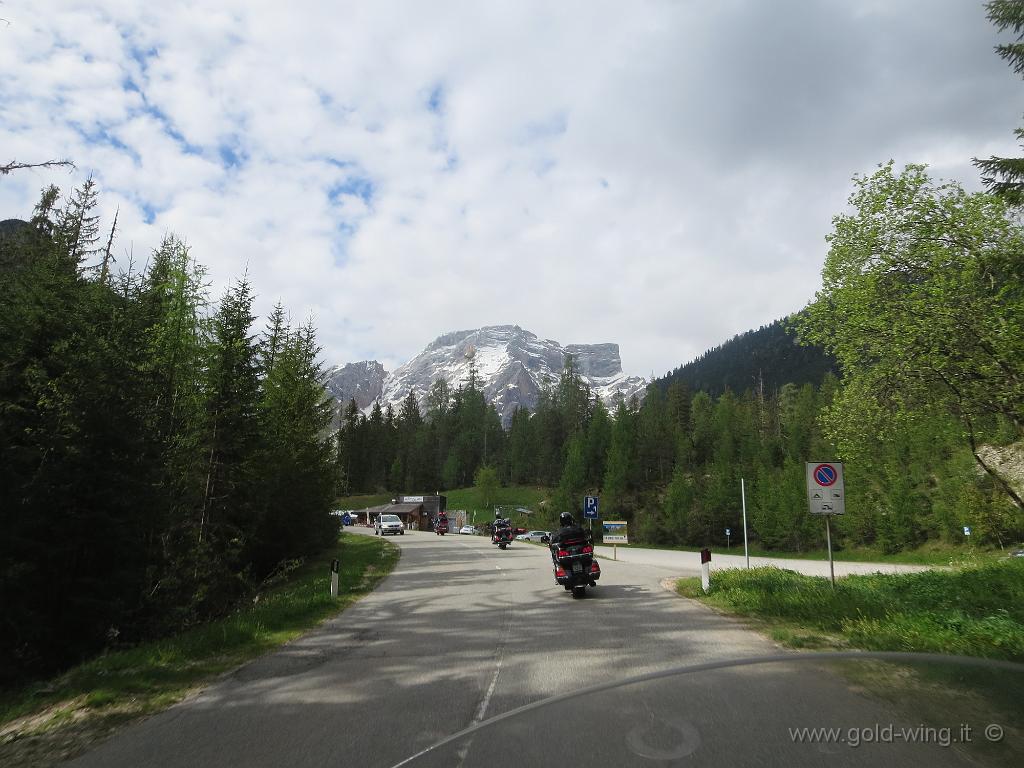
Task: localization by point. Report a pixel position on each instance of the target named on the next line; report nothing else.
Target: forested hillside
(769, 357)
(158, 459)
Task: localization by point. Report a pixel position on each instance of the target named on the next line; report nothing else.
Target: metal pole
(828, 539)
(743, 495)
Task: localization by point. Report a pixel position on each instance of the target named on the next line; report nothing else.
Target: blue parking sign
(590, 507)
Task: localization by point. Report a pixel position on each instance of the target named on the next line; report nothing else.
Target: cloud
(658, 174)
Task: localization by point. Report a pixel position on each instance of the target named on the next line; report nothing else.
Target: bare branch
(16, 166)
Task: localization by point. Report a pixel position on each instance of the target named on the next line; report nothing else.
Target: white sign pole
(746, 546)
(705, 570)
(335, 567)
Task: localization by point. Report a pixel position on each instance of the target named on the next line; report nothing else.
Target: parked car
(542, 536)
(388, 524)
(468, 529)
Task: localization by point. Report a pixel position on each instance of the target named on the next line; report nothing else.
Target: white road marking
(482, 709)
(499, 658)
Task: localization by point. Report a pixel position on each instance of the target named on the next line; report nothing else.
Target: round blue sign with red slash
(825, 474)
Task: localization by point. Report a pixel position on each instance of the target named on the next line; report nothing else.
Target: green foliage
(569, 496)
(920, 288)
(486, 480)
(156, 461)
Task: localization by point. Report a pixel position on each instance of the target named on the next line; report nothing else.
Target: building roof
(401, 509)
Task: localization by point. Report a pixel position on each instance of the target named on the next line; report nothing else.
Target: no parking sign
(825, 490)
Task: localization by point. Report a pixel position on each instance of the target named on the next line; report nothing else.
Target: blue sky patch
(187, 147)
(554, 125)
(435, 101)
(359, 186)
(100, 135)
(231, 156)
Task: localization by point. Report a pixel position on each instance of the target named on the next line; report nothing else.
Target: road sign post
(746, 546)
(728, 538)
(590, 511)
(826, 495)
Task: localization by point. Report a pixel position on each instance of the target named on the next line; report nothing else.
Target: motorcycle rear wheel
(578, 592)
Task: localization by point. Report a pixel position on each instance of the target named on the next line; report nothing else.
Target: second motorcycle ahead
(501, 533)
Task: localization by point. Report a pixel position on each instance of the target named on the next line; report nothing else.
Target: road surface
(461, 632)
(688, 563)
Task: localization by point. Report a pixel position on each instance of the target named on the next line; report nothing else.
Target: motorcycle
(502, 537)
(575, 567)
(441, 526)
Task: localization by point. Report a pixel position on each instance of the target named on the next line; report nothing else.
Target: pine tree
(1005, 175)
(79, 225)
(233, 394)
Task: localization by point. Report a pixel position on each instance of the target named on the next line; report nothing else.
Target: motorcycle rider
(569, 531)
(499, 524)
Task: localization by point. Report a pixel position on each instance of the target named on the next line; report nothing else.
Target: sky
(661, 174)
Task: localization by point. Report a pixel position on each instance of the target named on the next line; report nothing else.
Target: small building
(429, 508)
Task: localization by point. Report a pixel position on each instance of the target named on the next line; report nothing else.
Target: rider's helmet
(565, 520)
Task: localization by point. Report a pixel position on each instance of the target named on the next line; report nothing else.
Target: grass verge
(976, 611)
(53, 720)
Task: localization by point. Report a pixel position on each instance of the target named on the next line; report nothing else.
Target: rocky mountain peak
(513, 366)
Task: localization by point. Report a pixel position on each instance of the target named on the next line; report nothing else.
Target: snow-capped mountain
(512, 365)
(362, 381)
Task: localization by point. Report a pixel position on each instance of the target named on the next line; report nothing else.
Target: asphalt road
(689, 562)
(461, 632)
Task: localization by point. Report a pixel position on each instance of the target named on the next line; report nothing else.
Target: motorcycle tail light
(560, 573)
(563, 553)
(595, 568)
(588, 550)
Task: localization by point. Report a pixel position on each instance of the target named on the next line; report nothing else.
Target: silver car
(542, 536)
(388, 524)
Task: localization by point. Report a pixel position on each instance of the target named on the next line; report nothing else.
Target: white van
(388, 524)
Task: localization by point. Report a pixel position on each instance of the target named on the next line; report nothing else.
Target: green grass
(57, 718)
(471, 499)
(974, 611)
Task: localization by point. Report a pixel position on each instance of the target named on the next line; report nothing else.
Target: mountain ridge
(513, 365)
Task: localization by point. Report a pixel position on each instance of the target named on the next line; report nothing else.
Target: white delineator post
(334, 578)
(705, 569)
